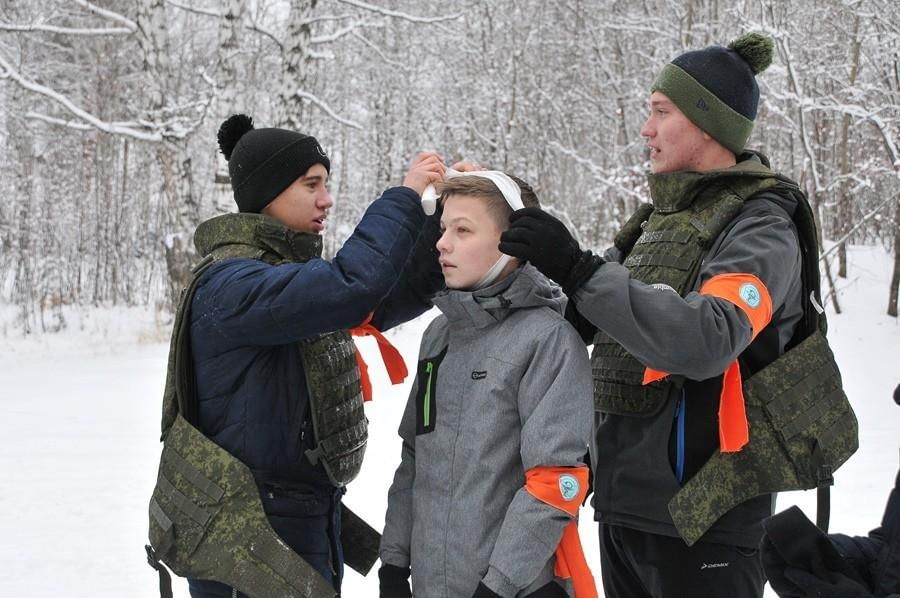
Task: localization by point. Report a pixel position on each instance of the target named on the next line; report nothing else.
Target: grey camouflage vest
(801, 424)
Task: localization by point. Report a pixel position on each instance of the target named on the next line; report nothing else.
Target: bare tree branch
(332, 37)
(66, 30)
(377, 50)
(598, 172)
(208, 12)
(85, 116)
(108, 14)
(399, 15)
(327, 109)
(859, 225)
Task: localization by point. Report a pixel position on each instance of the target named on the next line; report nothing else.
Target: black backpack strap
(813, 320)
(165, 580)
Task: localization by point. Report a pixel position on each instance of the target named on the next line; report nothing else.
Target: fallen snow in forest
(79, 427)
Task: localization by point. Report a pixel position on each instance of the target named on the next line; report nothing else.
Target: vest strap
(197, 479)
(185, 505)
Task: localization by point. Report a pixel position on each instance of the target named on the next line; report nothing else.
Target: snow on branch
(377, 50)
(873, 214)
(596, 171)
(399, 15)
(248, 21)
(332, 37)
(67, 30)
(141, 130)
(108, 14)
(327, 109)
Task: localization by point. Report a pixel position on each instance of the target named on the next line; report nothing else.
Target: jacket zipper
(679, 438)
(426, 408)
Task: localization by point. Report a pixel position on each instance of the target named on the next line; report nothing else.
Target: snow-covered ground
(79, 427)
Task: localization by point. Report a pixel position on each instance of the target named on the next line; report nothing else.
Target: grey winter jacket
(504, 385)
(696, 336)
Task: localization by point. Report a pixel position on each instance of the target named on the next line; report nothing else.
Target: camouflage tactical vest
(206, 518)
(801, 424)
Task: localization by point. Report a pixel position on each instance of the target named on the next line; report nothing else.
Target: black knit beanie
(264, 162)
(716, 87)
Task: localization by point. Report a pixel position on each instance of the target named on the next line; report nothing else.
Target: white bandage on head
(511, 193)
(507, 187)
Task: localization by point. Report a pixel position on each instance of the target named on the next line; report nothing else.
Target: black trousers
(636, 564)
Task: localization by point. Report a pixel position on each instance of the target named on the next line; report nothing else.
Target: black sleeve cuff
(584, 267)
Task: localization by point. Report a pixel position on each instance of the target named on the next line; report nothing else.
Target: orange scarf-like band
(750, 295)
(564, 488)
(393, 361)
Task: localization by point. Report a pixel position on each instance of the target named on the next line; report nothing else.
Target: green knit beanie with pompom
(716, 87)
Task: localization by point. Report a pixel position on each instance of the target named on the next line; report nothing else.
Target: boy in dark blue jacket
(276, 370)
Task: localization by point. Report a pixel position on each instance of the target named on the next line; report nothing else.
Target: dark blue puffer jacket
(246, 318)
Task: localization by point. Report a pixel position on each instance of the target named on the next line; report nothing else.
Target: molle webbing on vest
(669, 250)
(801, 428)
(207, 522)
(336, 405)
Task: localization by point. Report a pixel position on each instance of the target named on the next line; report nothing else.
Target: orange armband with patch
(564, 488)
(393, 361)
(750, 295)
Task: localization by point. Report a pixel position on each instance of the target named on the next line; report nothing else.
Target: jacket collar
(676, 191)
(255, 236)
(524, 287)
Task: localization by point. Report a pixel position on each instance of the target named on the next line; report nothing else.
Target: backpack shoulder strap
(179, 395)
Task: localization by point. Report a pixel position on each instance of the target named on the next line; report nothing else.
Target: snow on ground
(79, 427)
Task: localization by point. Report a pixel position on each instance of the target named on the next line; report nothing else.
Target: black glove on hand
(393, 582)
(538, 237)
(793, 549)
(482, 591)
(835, 586)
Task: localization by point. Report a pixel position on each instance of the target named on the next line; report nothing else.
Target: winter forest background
(109, 109)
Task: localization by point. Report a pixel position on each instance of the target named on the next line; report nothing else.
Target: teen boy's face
(469, 240)
(304, 205)
(675, 142)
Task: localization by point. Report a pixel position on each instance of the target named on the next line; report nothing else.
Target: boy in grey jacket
(502, 395)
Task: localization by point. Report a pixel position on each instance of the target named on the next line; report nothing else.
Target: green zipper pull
(426, 408)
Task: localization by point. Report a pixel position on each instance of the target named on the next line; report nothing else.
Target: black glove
(835, 586)
(423, 267)
(538, 237)
(793, 543)
(393, 582)
(482, 591)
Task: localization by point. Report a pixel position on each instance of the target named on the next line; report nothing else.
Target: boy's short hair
(481, 187)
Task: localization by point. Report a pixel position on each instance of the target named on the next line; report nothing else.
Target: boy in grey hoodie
(496, 429)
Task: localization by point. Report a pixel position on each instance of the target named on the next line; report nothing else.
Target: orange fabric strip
(750, 295)
(393, 361)
(651, 375)
(734, 431)
(564, 488)
(747, 293)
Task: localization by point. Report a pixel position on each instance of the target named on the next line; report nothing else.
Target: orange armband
(564, 488)
(750, 295)
(393, 361)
